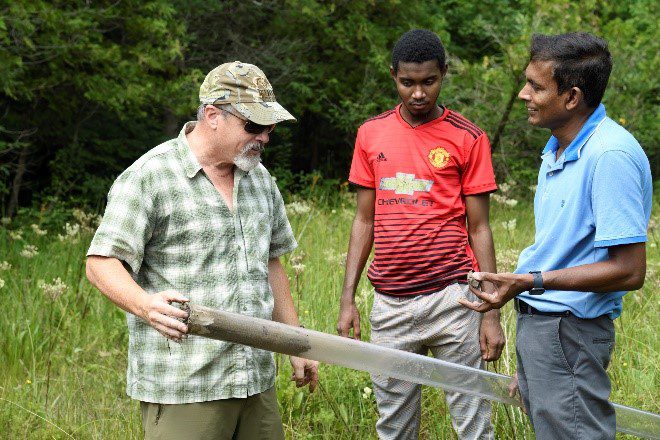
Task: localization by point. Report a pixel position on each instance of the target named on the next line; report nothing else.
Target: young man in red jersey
(422, 170)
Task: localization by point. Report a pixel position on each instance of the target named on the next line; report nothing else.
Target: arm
(624, 270)
(304, 371)
(113, 280)
(359, 248)
(283, 309)
(480, 236)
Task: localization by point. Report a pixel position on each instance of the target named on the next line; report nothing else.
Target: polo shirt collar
(574, 149)
(188, 160)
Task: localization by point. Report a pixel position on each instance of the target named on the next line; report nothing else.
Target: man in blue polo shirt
(591, 209)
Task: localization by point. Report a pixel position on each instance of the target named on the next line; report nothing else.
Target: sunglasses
(252, 127)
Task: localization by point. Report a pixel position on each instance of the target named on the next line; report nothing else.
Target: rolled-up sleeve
(126, 227)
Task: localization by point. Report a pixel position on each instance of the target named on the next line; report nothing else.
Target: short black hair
(418, 46)
(580, 60)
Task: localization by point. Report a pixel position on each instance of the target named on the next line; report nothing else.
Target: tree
(66, 66)
(87, 87)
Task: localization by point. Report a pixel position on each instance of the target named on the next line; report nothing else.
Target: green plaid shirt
(167, 222)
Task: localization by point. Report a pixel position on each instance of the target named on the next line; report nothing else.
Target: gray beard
(247, 162)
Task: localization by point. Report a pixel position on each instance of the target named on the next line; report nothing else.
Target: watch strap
(538, 283)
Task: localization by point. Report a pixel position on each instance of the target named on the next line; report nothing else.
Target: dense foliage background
(86, 87)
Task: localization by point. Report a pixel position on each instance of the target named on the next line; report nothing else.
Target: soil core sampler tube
(363, 356)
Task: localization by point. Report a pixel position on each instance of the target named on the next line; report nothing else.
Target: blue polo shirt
(596, 195)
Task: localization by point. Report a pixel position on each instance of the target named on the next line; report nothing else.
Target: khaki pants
(435, 322)
(252, 418)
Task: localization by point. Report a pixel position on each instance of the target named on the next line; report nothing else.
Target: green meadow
(63, 345)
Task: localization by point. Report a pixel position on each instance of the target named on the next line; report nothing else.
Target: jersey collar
(440, 118)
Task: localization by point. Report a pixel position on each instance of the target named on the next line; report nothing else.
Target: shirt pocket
(195, 223)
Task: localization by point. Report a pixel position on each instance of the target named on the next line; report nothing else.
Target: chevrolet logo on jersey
(405, 184)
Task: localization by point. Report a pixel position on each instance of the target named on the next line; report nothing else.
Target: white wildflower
(40, 232)
(532, 188)
(87, 222)
(505, 187)
(5, 221)
(298, 268)
(16, 235)
(82, 217)
(71, 233)
(2, 283)
(509, 225)
(29, 251)
(53, 290)
(366, 392)
(511, 202)
(5, 265)
(71, 230)
(297, 262)
(498, 198)
(297, 208)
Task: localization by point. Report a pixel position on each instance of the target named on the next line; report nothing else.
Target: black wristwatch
(538, 283)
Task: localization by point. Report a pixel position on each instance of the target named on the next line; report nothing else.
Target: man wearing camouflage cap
(199, 219)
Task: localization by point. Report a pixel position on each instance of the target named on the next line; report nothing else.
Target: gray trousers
(417, 324)
(562, 376)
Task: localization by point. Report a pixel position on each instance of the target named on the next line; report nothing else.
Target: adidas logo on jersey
(381, 157)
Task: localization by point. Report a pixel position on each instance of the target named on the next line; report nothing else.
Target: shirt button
(551, 173)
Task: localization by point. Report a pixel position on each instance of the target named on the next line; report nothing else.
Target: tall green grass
(63, 345)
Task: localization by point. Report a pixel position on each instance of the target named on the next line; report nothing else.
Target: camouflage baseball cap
(247, 89)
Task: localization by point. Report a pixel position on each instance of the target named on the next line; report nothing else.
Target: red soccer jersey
(421, 176)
